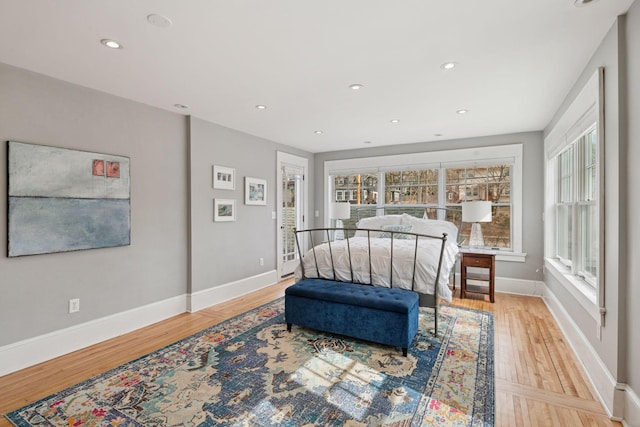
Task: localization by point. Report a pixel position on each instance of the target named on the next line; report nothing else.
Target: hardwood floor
(539, 381)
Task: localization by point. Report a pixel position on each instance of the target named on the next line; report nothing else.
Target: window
(415, 182)
(564, 205)
(413, 187)
(358, 190)
(488, 183)
(573, 221)
(588, 207)
(577, 207)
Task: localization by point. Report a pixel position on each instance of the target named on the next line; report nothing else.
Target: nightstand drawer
(476, 261)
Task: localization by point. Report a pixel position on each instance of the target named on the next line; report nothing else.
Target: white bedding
(403, 255)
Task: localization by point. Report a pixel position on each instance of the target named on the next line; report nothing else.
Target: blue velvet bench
(382, 315)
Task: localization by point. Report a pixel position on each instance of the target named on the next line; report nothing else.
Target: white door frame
(283, 159)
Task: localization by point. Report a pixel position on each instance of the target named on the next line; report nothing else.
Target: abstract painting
(66, 200)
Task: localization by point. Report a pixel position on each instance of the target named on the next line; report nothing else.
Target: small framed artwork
(224, 210)
(255, 191)
(224, 178)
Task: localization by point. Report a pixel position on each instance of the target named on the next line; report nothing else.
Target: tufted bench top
(387, 299)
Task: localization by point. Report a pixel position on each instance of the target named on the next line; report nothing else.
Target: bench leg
(404, 351)
(288, 327)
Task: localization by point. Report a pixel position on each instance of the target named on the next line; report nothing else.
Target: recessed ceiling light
(462, 111)
(111, 43)
(356, 86)
(583, 3)
(395, 121)
(261, 107)
(448, 65)
(181, 106)
(318, 132)
(159, 20)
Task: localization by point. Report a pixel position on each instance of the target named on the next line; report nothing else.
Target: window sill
(578, 288)
(500, 255)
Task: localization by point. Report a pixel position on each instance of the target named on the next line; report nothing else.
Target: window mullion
(581, 196)
(381, 194)
(442, 192)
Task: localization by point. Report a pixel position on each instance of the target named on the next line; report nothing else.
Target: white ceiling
(516, 60)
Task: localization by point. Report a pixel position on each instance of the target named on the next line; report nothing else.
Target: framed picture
(224, 178)
(255, 191)
(224, 210)
(62, 200)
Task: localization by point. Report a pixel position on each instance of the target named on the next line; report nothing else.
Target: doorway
(292, 209)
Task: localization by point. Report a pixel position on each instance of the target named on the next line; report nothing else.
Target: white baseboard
(32, 351)
(507, 285)
(632, 408)
(531, 288)
(208, 297)
(611, 394)
(23, 354)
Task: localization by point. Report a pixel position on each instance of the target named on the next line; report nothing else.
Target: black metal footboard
(322, 236)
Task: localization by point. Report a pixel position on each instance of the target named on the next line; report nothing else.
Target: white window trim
(477, 156)
(584, 293)
(586, 109)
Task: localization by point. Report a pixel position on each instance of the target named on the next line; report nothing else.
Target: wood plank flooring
(539, 381)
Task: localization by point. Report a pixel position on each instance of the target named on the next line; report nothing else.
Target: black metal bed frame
(424, 298)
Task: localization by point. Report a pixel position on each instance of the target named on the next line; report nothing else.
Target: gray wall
(610, 347)
(532, 183)
(36, 289)
(632, 318)
(223, 252)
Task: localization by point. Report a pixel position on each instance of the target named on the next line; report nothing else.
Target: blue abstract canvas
(66, 200)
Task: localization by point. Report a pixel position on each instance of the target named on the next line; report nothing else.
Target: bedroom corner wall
(606, 55)
(36, 289)
(225, 255)
(610, 354)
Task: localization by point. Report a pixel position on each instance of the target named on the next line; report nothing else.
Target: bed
(393, 251)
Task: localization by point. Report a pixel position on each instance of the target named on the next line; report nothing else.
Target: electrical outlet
(74, 305)
(261, 262)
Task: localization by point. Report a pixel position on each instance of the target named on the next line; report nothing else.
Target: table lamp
(340, 211)
(476, 212)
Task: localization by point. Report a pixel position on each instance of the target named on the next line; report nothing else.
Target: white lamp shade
(340, 210)
(476, 212)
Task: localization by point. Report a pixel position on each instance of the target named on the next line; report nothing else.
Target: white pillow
(376, 223)
(386, 234)
(431, 227)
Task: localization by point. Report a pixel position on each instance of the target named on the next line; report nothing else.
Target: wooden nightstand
(486, 262)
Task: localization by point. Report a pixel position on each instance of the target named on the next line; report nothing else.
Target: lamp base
(476, 240)
(339, 234)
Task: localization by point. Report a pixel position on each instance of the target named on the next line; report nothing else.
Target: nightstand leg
(463, 282)
(492, 291)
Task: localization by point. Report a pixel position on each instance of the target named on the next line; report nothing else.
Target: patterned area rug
(249, 371)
